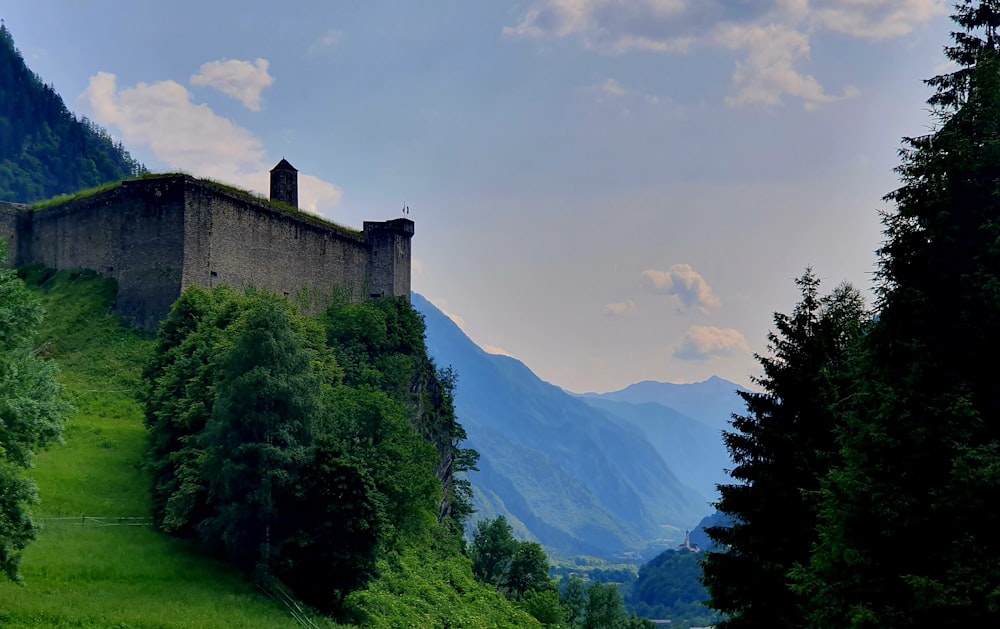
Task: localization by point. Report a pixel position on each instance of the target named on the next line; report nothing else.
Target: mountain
(712, 401)
(45, 150)
(694, 450)
(578, 479)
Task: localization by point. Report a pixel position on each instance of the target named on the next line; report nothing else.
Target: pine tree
(782, 447)
(908, 520)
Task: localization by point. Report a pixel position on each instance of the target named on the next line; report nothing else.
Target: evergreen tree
(259, 437)
(908, 520)
(781, 448)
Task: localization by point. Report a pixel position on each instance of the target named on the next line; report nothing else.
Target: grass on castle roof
(83, 574)
(239, 192)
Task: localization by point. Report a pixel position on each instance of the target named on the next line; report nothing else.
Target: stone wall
(159, 235)
(238, 242)
(12, 221)
(133, 234)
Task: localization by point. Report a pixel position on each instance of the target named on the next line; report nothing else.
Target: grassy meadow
(97, 573)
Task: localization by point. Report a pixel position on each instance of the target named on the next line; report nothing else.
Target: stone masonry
(156, 236)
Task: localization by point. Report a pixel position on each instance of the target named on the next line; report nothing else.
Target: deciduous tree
(32, 413)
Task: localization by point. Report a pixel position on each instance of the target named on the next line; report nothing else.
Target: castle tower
(285, 183)
(389, 261)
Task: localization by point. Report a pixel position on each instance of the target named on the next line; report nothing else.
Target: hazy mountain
(693, 449)
(580, 480)
(712, 401)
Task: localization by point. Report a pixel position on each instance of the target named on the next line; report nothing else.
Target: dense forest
(45, 150)
(866, 469)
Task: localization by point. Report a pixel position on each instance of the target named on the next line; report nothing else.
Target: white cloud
(191, 137)
(768, 71)
(704, 342)
(876, 19)
(499, 351)
(683, 282)
(620, 309)
(772, 36)
(242, 80)
(613, 88)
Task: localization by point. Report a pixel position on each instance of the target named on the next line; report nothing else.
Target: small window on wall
(214, 274)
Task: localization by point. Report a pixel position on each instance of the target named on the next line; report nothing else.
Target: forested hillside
(45, 150)
(90, 568)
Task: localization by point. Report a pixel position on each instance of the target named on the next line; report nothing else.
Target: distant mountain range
(592, 474)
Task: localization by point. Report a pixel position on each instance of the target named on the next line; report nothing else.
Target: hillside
(45, 150)
(95, 567)
(578, 479)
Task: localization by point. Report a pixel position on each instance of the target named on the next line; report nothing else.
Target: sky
(608, 190)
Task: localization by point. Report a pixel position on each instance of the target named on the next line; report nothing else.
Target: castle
(158, 235)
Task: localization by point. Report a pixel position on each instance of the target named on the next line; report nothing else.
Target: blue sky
(609, 190)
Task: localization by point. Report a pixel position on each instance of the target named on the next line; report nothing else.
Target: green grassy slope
(83, 574)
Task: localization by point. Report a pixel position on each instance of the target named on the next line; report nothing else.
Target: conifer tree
(908, 521)
(782, 447)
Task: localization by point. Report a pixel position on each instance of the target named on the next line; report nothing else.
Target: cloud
(191, 137)
(330, 38)
(242, 80)
(615, 26)
(456, 319)
(499, 351)
(768, 71)
(876, 19)
(683, 282)
(772, 36)
(325, 42)
(704, 342)
(620, 309)
(612, 87)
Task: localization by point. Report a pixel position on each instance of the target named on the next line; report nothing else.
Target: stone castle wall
(133, 234)
(159, 235)
(235, 242)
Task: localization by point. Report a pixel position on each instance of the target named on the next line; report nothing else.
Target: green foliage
(528, 571)
(263, 447)
(259, 436)
(669, 586)
(98, 576)
(380, 345)
(782, 448)
(920, 454)
(493, 548)
(44, 149)
(32, 413)
(422, 588)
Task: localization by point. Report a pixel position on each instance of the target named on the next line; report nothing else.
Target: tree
(259, 436)
(493, 548)
(782, 447)
(32, 414)
(528, 571)
(574, 597)
(921, 460)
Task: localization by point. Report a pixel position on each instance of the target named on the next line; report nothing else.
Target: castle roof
(284, 165)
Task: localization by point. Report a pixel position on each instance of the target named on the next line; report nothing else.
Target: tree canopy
(32, 414)
(264, 447)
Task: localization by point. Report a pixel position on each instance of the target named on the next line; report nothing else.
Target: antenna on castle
(406, 208)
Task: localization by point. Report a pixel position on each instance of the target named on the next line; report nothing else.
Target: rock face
(156, 236)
